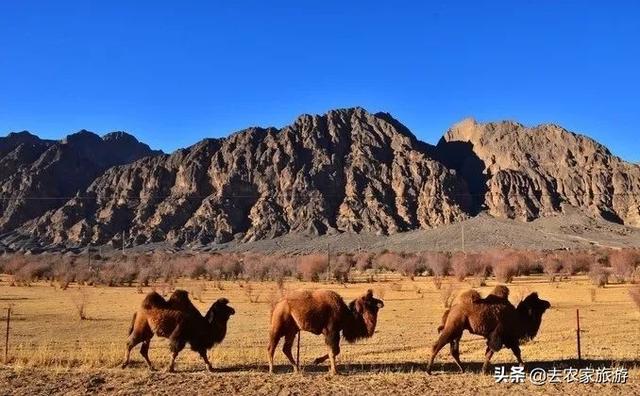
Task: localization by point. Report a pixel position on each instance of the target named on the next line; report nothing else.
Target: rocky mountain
(526, 173)
(40, 175)
(347, 171)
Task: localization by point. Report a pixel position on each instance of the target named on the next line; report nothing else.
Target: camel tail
(133, 321)
(444, 320)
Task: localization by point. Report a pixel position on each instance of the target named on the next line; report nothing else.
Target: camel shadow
(438, 368)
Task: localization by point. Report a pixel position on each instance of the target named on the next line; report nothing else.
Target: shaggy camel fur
(494, 318)
(321, 312)
(180, 321)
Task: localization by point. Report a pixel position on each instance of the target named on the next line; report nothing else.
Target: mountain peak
(82, 137)
(120, 136)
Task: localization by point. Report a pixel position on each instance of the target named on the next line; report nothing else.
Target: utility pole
(6, 340)
(328, 261)
(122, 241)
(463, 251)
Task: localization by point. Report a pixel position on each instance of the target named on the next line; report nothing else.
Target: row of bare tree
(602, 266)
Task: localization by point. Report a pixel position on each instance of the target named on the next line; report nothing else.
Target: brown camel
(180, 321)
(321, 312)
(494, 318)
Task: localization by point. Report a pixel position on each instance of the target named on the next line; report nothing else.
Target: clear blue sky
(173, 72)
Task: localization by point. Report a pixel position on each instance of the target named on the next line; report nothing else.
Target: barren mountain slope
(526, 173)
(345, 174)
(347, 170)
(38, 175)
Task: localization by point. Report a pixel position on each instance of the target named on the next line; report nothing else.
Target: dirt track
(139, 381)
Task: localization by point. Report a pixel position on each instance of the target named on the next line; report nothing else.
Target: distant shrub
(363, 261)
(255, 267)
(469, 264)
(80, 300)
(448, 295)
(310, 267)
(437, 263)
(410, 265)
(32, 271)
(623, 264)
(574, 263)
(341, 267)
(505, 271)
(531, 262)
(231, 267)
(437, 282)
(552, 266)
(459, 266)
(599, 275)
(386, 261)
(634, 292)
(199, 271)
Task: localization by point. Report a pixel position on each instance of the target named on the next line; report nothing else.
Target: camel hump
(500, 291)
(154, 300)
(469, 297)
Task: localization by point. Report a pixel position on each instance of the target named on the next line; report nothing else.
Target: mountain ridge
(345, 171)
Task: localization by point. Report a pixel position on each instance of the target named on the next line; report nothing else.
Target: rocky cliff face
(347, 170)
(39, 175)
(526, 173)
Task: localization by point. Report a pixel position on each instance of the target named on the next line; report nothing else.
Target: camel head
(365, 312)
(220, 312)
(531, 310)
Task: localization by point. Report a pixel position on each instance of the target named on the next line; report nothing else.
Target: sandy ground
(130, 382)
(53, 352)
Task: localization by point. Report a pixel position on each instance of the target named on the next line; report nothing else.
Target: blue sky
(174, 72)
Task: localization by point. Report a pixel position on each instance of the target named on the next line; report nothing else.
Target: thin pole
(298, 355)
(578, 333)
(6, 340)
(122, 241)
(462, 237)
(328, 262)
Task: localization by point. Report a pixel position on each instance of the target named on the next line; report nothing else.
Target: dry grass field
(52, 351)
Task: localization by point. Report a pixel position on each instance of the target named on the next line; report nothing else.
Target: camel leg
(455, 352)
(516, 351)
(487, 358)
(203, 354)
(144, 351)
(332, 339)
(133, 340)
(444, 338)
(175, 346)
(274, 338)
(289, 338)
(321, 359)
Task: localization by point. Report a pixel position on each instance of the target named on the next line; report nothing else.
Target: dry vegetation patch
(46, 332)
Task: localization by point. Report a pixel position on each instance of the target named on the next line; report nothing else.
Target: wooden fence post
(578, 334)
(6, 340)
(298, 354)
